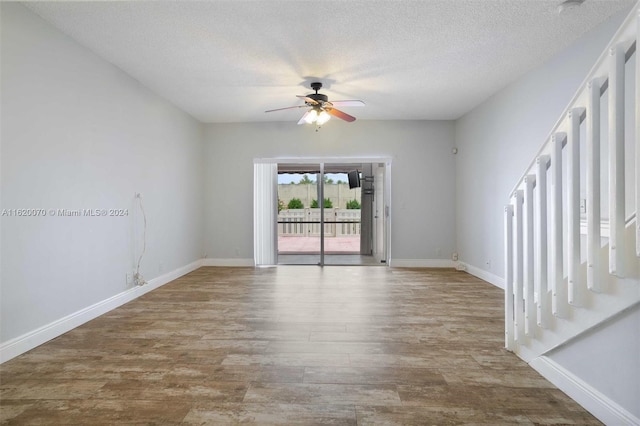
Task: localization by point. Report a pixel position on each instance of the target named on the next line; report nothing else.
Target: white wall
(607, 360)
(78, 133)
(423, 178)
(499, 138)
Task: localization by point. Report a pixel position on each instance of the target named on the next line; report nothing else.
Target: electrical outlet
(583, 206)
(454, 256)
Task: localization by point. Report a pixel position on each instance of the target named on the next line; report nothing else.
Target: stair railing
(537, 237)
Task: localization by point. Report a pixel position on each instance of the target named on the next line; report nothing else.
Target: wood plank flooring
(289, 345)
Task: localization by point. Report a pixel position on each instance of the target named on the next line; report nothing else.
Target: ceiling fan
(320, 109)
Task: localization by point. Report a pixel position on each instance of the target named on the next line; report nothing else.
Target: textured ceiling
(229, 61)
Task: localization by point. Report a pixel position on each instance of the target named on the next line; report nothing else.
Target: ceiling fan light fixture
(323, 117)
(311, 117)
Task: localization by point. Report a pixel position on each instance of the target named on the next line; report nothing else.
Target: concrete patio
(295, 244)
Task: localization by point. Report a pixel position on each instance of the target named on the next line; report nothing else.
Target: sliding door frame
(263, 204)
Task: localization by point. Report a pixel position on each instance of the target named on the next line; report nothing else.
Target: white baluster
(508, 278)
(528, 283)
(593, 185)
(573, 205)
(616, 160)
(519, 267)
(558, 289)
(541, 277)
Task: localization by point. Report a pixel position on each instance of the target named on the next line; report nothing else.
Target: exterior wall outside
(339, 194)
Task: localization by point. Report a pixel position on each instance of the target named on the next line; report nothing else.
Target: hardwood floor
(289, 345)
(330, 259)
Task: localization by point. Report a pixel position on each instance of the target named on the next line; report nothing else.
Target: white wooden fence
(306, 222)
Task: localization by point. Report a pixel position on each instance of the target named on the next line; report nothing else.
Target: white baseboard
(170, 276)
(240, 262)
(32, 339)
(422, 263)
(606, 410)
(483, 275)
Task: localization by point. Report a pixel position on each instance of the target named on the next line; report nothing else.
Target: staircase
(572, 239)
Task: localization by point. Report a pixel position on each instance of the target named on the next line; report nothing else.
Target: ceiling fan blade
(342, 115)
(304, 117)
(349, 103)
(280, 109)
(308, 100)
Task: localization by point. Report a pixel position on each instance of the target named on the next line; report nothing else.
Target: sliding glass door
(299, 219)
(320, 214)
(331, 213)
